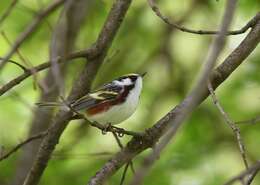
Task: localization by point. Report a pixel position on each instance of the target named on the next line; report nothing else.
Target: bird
(112, 103)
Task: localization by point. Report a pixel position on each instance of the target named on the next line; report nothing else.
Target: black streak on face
(133, 78)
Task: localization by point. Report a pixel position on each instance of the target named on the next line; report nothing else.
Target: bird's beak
(142, 75)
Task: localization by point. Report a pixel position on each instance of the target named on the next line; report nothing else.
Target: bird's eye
(133, 78)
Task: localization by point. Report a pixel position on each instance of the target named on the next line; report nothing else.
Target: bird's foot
(120, 131)
(106, 128)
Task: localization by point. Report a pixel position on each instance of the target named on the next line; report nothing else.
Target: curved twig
(165, 19)
(17, 64)
(28, 140)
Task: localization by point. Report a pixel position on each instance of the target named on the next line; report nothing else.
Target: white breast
(121, 112)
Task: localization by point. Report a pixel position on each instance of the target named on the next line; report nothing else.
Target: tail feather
(49, 104)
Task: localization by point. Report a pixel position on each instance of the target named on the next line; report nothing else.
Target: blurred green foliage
(204, 150)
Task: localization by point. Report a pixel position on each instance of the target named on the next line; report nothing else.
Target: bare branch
(30, 29)
(218, 76)
(231, 124)
(157, 11)
(71, 11)
(194, 96)
(28, 140)
(80, 88)
(28, 72)
(124, 174)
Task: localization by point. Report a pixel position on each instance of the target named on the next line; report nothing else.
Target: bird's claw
(121, 134)
(106, 128)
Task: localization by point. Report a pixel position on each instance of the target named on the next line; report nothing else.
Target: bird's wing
(108, 92)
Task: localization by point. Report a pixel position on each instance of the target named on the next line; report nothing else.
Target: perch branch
(81, 87)
(115, 130)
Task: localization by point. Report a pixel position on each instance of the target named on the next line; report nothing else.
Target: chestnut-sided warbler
(111, 104)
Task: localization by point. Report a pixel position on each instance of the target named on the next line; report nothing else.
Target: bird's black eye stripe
(133, 78)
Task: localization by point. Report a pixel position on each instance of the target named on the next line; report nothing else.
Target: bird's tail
(50, 104)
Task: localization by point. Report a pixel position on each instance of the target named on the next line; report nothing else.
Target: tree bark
(63, 40)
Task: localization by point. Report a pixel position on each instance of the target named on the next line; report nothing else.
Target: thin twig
(230, 123)
(129, 163)
(252, 177)
(28, 72)
(250, 121)
(17, 64)
(30, 29)
(165, 19)
(27, 63)
(28, 140)
(8, 11)
(118, 140)
(242, 175)
(124, 174)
